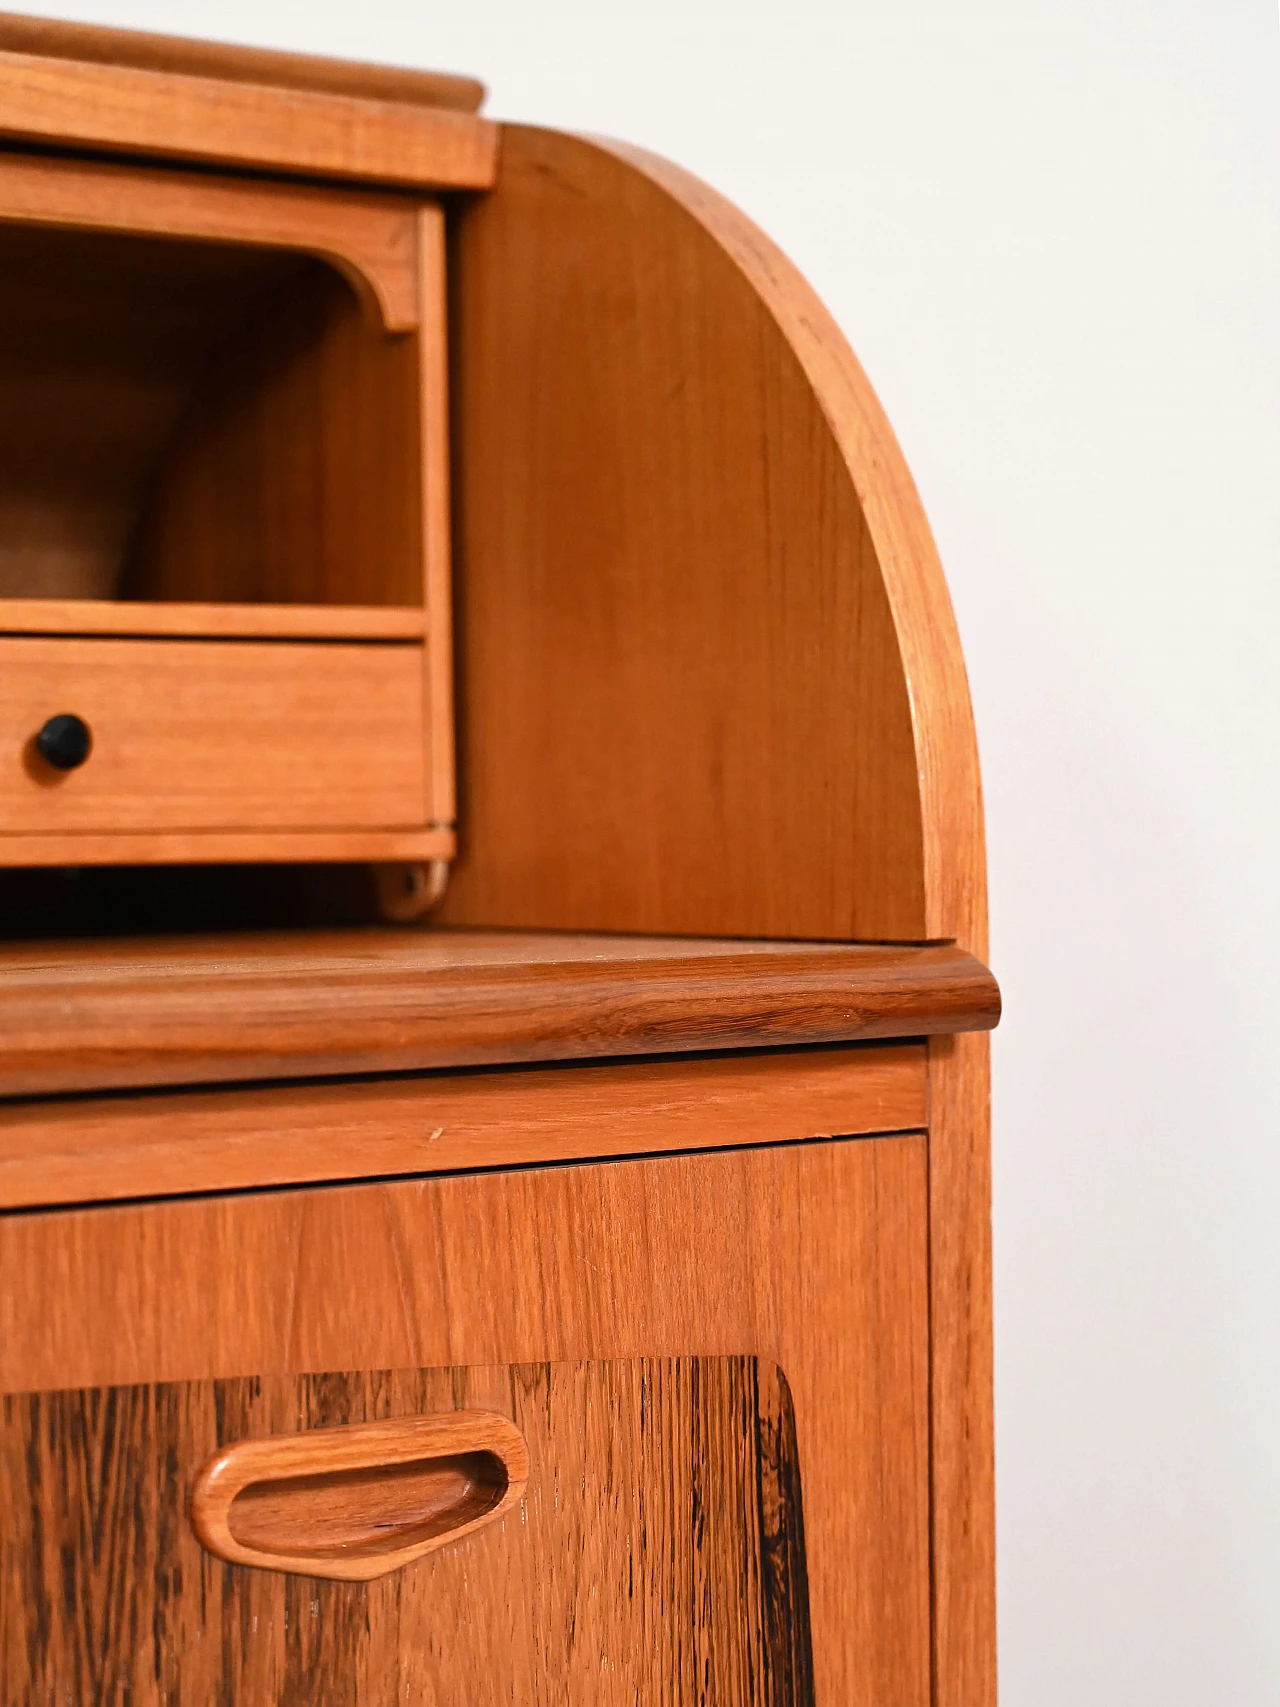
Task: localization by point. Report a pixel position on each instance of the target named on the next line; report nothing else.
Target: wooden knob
(65, 742)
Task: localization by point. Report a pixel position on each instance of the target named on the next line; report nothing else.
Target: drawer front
(656, 1552)
(205, 735)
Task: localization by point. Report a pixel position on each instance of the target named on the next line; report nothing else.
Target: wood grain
(963, 1411)
(228, 847)
(657, 1552)
(682, 704)
(899, 539)
(677, 491)
(101, 1148)
(370, 238)
(434, 508)
(90, 43)
(97, 1014)
(812, 1258)
(353, 1502)
(191, 620)
(102, 341)
(335, 731)
(953, 859)
(294, 475)
(227, 123)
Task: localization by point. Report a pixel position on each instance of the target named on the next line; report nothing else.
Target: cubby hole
(192, 421)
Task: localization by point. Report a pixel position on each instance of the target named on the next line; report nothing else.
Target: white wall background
(1051, 232)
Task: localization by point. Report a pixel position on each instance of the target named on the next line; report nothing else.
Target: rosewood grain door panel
(810, 1256)
(656, 1553)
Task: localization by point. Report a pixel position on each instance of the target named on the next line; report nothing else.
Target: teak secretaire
(537, 1251)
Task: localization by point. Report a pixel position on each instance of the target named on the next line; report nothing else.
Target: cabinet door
(808, 1257)
(656, 1552)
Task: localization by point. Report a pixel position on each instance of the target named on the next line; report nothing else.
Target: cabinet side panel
(682, 705)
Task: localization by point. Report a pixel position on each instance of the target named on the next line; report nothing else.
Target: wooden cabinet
(552, 1265)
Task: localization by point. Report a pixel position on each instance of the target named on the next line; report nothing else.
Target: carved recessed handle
(354, 1503)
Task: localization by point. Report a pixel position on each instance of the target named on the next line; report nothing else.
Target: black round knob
(65, 741)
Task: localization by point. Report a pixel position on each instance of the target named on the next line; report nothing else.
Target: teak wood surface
(812, 1258)
(272, 1005)
(216, 422)
(335, 733)
(656, 1553)
(370, 238)
(181, 116)
(294, 475)
(95, 1149)
(91, 44)
(709, 683)
(229, 847)
(192, 621)
(710, 679)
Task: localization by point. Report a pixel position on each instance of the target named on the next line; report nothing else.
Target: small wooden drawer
(629, 1317)
(213, 735)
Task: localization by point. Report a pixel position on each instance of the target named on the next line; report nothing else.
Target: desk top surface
(105, 1014)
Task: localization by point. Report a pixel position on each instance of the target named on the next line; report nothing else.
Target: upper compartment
(229, 412)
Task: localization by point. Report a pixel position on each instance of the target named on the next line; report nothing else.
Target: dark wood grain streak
(658, 1553)
(174, 1011)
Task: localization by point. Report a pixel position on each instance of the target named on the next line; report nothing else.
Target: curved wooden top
(710, 675)
(90, 1016)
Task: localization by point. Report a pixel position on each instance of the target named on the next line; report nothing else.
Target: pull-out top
(97, 1015)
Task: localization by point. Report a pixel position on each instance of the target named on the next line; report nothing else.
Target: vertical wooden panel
(683, 706)
(437, 568)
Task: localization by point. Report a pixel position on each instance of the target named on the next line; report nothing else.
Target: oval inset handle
(354, 1503)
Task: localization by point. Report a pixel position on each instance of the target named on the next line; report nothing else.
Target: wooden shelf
(120, 617)
(109, 1014)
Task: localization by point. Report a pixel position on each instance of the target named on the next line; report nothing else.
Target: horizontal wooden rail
(97, 1015)
(102, 1148)
(181, 117)
(93, 44)
(212, 622)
